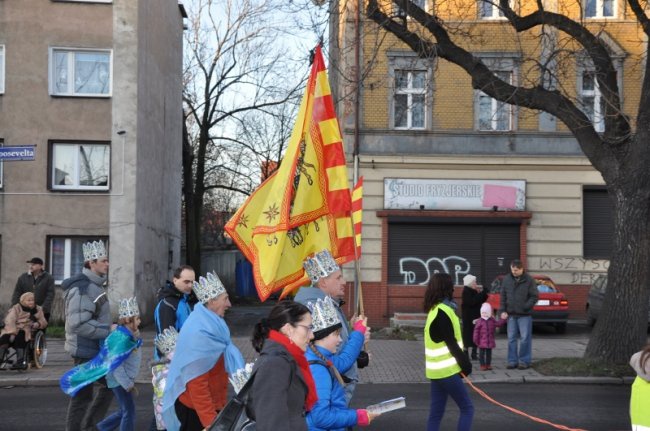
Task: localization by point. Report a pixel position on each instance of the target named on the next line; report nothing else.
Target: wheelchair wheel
(39, 349)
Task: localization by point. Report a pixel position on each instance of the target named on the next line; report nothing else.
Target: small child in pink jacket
(484, 336)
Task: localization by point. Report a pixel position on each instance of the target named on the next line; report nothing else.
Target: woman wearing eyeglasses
(283, 388)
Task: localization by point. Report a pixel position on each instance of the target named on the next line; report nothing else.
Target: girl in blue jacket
(330, 413)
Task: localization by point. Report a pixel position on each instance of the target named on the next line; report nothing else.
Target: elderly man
(87, 322)
(197, 382)
(327, 280)
(37, 281)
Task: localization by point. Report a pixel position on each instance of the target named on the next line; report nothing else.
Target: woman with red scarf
(283, 388)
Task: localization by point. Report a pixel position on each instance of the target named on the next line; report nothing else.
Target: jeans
(442, 388)
(124, 417)
(87, 408)
(485, 356)
(520, 328)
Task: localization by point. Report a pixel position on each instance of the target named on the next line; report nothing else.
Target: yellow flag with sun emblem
(304, 206)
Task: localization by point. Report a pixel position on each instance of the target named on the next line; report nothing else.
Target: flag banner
(304, 206)
(357, 206)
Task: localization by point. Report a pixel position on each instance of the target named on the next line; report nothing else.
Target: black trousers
(188, 417)
(19, 340)
(89, 406)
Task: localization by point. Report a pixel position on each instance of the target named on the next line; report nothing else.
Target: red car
(552, 306)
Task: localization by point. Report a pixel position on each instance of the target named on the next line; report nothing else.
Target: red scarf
(302, 362)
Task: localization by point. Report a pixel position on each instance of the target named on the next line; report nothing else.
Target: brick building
(456, 181)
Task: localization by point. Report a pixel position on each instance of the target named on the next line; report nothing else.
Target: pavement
(392, 361)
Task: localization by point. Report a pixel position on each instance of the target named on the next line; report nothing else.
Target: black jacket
(471, 309)
(168, 298)
(277, 398)
(518, 295)
(42, 287)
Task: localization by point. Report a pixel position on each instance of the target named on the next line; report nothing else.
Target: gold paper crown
(320, 265)
(323, 314)
(94, 250)
(208, 287)
(128, 308)
(166, 340)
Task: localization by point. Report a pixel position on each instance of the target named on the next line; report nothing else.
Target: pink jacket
(484, 332)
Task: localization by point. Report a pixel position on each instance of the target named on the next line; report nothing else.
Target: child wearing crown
(118, 360)
(166, 344)
(331, 411)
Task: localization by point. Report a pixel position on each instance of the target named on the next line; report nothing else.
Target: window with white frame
(494, 115)
(600, 8)
(80, 72)
(79, 166)
(66, 255)
(591, 100)
(489, 9)
(397, 9)
(409, 100)
(2, 69)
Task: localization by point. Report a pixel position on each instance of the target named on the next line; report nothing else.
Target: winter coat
(331, 411)
(87, 314)
(125, 374)
(518, 296)
(18, 319)
(470, 311)
(277, 397)
(172, 306)
(312, 294)
(484, 332)
(42, 287)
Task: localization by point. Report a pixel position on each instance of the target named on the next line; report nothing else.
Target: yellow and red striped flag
(357, 207)
(304, 206)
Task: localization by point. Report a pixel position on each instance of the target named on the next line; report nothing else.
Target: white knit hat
(468, 280)
(486, 308)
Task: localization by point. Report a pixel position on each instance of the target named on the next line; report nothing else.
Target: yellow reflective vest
(640, 405)
(439, 361)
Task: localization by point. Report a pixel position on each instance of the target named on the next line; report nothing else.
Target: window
(2, 69)
(597, 223)
(489, 9)
(591, 100)
(66, 255)
(410, 94)
(80, 72)
(493, 114)
(79, 166)
(600, 8)
(402, 13)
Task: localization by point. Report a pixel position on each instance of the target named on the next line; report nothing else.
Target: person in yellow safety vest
(444, 355)
(640, 399)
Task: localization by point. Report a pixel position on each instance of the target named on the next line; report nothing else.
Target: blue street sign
(24, 152)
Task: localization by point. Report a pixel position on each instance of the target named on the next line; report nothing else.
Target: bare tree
(233, 67)
(618, 147)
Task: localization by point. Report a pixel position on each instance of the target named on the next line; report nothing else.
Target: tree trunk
(622, 326)
(192, 228)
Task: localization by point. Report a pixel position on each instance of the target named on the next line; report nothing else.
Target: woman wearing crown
(197, 383)
(331, 411)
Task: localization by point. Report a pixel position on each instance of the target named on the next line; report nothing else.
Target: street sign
(21, 153)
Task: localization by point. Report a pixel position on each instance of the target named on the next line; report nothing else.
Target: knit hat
(486, 310)
(468, 280)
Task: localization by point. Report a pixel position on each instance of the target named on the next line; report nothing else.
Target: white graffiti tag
(418, 271)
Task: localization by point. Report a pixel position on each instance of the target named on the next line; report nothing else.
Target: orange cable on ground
(518, 412)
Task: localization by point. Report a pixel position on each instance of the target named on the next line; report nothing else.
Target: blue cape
(201, 342)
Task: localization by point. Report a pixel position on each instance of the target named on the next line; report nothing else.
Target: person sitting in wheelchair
(21, 322)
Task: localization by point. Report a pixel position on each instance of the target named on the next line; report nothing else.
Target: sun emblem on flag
(243, 220)
(272, 212)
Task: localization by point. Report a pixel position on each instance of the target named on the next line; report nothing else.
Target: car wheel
(560, 328)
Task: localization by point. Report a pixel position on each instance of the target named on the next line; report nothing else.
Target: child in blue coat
(330, 411)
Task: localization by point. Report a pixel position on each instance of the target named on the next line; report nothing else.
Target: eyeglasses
(309, 328)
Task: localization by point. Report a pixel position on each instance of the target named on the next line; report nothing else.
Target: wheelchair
(36, 351)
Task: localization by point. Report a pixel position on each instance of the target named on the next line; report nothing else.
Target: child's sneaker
(484, 367)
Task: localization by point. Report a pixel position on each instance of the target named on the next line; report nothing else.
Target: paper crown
(94, 250)
(208, 287)
(324, 315)
(239, 378)
(166, 340)
(128, 308)
(320, 265)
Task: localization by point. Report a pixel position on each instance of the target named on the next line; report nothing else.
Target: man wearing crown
(88, 322)
(327, 281)
(197, 383)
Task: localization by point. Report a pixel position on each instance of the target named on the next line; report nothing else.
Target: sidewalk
(392, 361)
